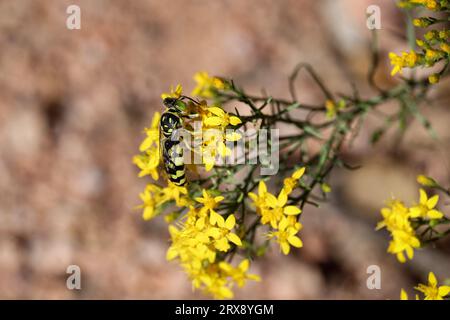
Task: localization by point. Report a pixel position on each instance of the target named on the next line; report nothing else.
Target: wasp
(170, 141)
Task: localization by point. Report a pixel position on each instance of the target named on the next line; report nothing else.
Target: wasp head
(175, 104)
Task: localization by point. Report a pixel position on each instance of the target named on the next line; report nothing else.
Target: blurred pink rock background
(73, 105)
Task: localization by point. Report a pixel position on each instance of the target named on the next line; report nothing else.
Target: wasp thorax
(175, 105)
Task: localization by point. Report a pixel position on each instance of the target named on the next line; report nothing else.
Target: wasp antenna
(189, 98)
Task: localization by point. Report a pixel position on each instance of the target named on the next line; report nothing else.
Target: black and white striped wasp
(170, 139)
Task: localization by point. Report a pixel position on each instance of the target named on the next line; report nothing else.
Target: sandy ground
(73, 104)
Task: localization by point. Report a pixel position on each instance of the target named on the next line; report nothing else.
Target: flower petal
(235, 120)
(432, 202)
(291, 210)
(298, 173)
(220, 221)
(444, 290)
(282, 198)
(230, 222)
(262, 188)
(434, 214)
(423, 197)
(403, 295)
(285, 247)
(213, 121)
(295, 241)
(219, 198)
(432, 279)
(234, 238)
(244, 265)
(216, 111)
(271, 200)
(283, 224)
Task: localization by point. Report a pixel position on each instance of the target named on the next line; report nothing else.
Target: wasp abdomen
(173, 162)
(171, 146)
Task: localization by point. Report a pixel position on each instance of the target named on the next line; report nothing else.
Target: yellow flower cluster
(405, 59)
(431, 291)
(397, 219)
(213, 133)
(148, 160)
(197, 242)
(434, 47)
(214, 120)
(200, 235)
(214, 123)
(154, 197)
(275, 211)
(433, 5)
(199, 238)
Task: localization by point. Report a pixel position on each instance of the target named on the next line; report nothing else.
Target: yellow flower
(406, 59)
(395, 216)
(148, 163)
(325, 187)
(151, 198)
(425, 208)
(217, 285)
(272, 208)
(434, 78)
(397, 62)
(207, 86)
(177, 193)
(431, 4)
(291, 182)
(239, 274)
(396, 220)
(332, 107)
(152, 133)
(432, 56)
(222, 234)
(444, 35)
(410, 59)
(260, 200)
(217, 117)
(214, 134)
(426, 181)
(432, 291)
(422, 22)
(213, 146)
(209, 204)
(404, 295)
(277, 208)
(431, 35)
(149, 160)
(403, 242)
(286, 235)
(174, 93)
(420, 43)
